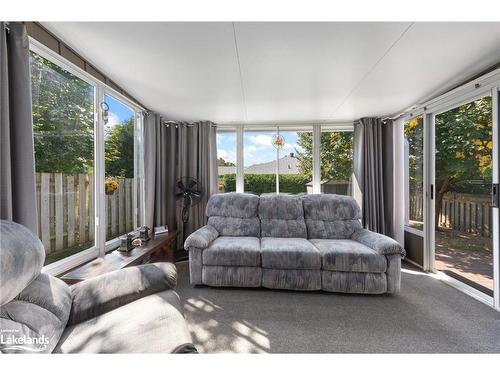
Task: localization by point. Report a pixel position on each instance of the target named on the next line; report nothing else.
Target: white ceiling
(283, 72)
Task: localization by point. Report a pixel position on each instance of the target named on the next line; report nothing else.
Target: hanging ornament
(105, 112)
(278, 141)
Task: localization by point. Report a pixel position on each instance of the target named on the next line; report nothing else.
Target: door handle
(432, 191)
(495, 196)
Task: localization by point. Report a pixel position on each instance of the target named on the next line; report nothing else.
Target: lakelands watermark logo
(13, 341)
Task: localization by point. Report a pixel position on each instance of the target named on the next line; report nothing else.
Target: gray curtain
(17, 168)
(173, 151)
(373, 168)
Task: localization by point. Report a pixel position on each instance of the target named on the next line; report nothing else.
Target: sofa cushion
(282, 216)
(100, 294)
(22, 256)
(289, 253)
(153, 324)
(331, 216)
(353, 282)
(234, 214)
(233, 251)
(234, 226)
(243, 277)
(240, 205)
(40, 312)
(349, 256)
(291, 279)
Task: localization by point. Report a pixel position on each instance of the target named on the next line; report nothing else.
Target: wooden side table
(158, 249)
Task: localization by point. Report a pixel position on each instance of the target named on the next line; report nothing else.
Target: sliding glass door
(464, 228)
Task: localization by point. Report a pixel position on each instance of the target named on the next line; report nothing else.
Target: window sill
(412, 230)
(64, 265)
(112, 244)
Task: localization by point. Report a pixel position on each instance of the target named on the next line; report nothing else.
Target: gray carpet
(428, 316)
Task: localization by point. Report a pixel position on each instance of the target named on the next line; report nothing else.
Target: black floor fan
(189, 193)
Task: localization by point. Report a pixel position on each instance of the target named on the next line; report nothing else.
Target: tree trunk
(441, 189)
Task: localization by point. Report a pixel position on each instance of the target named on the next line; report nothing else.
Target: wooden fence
(66, 207)
(466, 213)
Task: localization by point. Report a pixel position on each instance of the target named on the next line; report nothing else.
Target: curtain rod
(187, 124)
(286, 123)
(177, 123)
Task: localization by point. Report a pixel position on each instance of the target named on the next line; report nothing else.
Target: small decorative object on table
(161, 229)
(144, 234)
(126, 243)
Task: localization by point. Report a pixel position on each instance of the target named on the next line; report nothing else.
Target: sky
(118, 112)
(257, 146)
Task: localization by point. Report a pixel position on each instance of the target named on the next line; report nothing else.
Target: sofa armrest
(201, 238)
(380, 243)
(101, 294)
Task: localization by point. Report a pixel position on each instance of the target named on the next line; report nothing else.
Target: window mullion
(136, 173)
(100, 213)
(240, 185)
(316, 163)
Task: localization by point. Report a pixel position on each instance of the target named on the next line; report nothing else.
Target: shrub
(265, 183)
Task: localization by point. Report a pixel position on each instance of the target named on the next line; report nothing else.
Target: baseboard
(413, 263)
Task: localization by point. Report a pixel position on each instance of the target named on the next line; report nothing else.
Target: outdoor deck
(467, 257)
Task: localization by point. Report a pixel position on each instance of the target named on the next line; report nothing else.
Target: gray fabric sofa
(307, 242)
(133, 310)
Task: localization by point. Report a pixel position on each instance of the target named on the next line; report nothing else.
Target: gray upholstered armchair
(134, 310)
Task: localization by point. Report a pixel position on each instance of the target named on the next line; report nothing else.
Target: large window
(119, 168)
(71, 146)
(63, 125)
(414, 154)
(295, 161)
(226, 160)
(336, 157)
(259, 161)
(286, 152)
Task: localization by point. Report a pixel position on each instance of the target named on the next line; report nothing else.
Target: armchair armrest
(101, 294)
(380, 243)
(201, 238)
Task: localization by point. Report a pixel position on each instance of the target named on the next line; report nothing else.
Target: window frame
(408, 228)
(113, 243)
(101, 246)
(228, 130)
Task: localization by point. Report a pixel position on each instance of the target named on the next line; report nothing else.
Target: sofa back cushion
(331, 216)
(234, 214)
(282, 216)
(34, 307)
(38, 316)
(21, 259)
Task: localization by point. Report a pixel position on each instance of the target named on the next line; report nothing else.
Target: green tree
(119, 147)
(463, 149)
(222, 163)
(63, 119)
(414, 134)
(335, 155)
